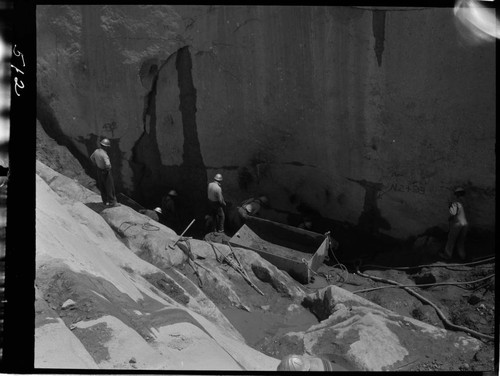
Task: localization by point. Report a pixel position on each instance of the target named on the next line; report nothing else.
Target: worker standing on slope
(105, 183)
(216, 202)
(250, 207)
(458, 227)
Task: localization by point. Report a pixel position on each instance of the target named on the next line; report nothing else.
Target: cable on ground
(428, 266)
(145, 226)
(327, 275)
(458, 284)
(128, 222)
(150, 227)
(447, 323)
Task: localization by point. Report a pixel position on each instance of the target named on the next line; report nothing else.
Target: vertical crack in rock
(194, 176)
(370, 219)
(378, 27)
(146, 159)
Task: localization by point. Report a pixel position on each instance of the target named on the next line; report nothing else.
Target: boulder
(372, 338)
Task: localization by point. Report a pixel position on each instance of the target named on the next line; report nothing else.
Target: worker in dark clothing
(100, 159)
(169, 213)
(250, 207)
(153, 214)
(216, 203)
(306, 223)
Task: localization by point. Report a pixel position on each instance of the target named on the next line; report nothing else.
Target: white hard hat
(158, 210)
(294, 363)
(172, 193)
(218, 177)
(105, 142)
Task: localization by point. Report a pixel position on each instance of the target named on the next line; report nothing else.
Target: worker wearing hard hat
(216, 202)
(250, 207)
(153, 214)
(307, 363)
(169, 213)
(100, 159)
(458, 226)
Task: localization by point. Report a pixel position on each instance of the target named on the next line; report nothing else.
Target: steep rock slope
(91, 291)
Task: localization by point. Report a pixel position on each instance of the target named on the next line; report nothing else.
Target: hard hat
(263, 200)
(172, 193)
(218, 177)
(294, 363)
(158, 210)
(459, 189)
(105, 142)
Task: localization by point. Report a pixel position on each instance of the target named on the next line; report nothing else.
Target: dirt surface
(469, 305)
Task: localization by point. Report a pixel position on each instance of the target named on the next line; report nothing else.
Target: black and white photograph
(259, 187)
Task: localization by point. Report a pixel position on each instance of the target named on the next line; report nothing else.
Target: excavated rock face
(329, 109)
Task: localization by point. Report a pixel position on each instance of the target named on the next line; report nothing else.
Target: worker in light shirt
(458, 227)
(100, 159)
(216, 203)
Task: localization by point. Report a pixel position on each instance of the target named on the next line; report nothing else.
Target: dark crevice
(152, 179)
(47, 118)
(378, 27)
(146, 159)
(194, 176)
(149, 183)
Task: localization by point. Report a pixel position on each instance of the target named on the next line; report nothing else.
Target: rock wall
(369, 117)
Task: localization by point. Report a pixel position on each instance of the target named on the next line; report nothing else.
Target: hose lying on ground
(447, 323)
(427, 266)
(145, 226)
(427, 285)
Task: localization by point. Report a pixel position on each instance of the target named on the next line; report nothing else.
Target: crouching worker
(307, 363)
(250, 207)
(306, 223)
(100, 159)
(153, 214)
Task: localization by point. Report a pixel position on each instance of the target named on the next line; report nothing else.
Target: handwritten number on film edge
(17, 82)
